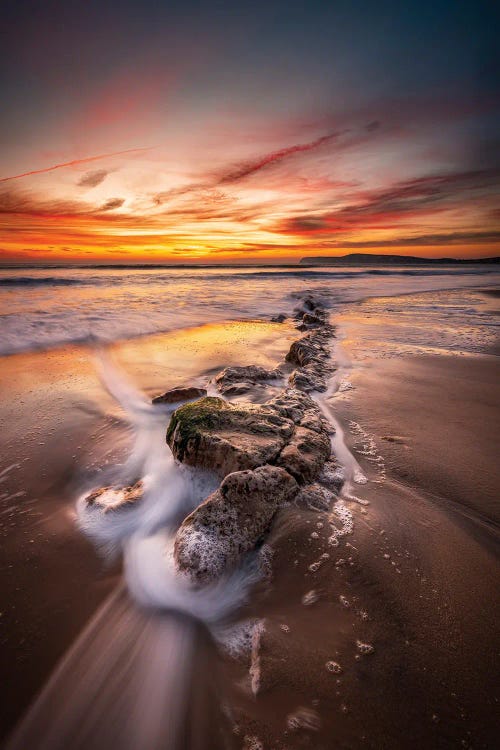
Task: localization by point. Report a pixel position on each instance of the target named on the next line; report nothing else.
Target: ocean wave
(162, 276)
(41, 281)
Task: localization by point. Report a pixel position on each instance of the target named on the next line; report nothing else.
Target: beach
(385, 639)
(249, 376)
(57, 423)
(416, 580)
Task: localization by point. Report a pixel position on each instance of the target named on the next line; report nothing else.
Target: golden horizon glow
(275, 208)
(226, 135)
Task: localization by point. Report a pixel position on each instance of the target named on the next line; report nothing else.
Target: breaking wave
(39, 281)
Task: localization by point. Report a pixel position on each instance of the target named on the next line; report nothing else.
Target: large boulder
(213, 434)
(289, 431)
(231, 521)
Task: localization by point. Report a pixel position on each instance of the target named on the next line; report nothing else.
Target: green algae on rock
(288, 431)
(213, 434)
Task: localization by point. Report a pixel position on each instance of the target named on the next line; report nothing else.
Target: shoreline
(364, 567)
(88, 342)
(439, 502)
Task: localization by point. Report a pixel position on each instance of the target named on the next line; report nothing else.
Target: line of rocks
(309, 356)
(267, 455)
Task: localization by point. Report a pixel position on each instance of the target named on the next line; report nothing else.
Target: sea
(43, 308)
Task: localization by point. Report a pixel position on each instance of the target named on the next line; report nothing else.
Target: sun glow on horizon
(263, 209)
(297, 147)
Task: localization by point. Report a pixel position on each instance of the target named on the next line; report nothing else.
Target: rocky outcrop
(237, 380)
(311, 348)
(308, 305)
(293, 404)
(268, 454)
(303, 351)
(313, 319)
(288, 431)
(311, 316)
(307, 379)
(312, 357)
(305, 454)
(301, 409)
(109, 499)
(223, 437)
(231, 521)
(175, 395)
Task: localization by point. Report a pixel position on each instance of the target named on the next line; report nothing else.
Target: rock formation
(235, 380)
(231, 521)
(266, 454)
(109, 499)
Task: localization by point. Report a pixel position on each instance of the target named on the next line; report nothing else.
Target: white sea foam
(305, 719)
(236, 639)
(255, 670)
(365, 648)
(350, 468)
(334, 667)
(311, 597)
(144, 533)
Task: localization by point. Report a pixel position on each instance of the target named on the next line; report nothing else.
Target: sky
(243, 132)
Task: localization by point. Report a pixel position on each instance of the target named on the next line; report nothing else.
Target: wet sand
(417, 579)
(57, 425)
(435, 422)
(405, 605)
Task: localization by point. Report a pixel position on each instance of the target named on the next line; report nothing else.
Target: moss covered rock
(213, 434)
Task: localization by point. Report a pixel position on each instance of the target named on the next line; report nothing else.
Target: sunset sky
(247, 131)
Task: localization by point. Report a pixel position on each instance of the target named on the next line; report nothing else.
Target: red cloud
(75, 162)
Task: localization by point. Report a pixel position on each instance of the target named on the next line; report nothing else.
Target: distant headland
(367, 259)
